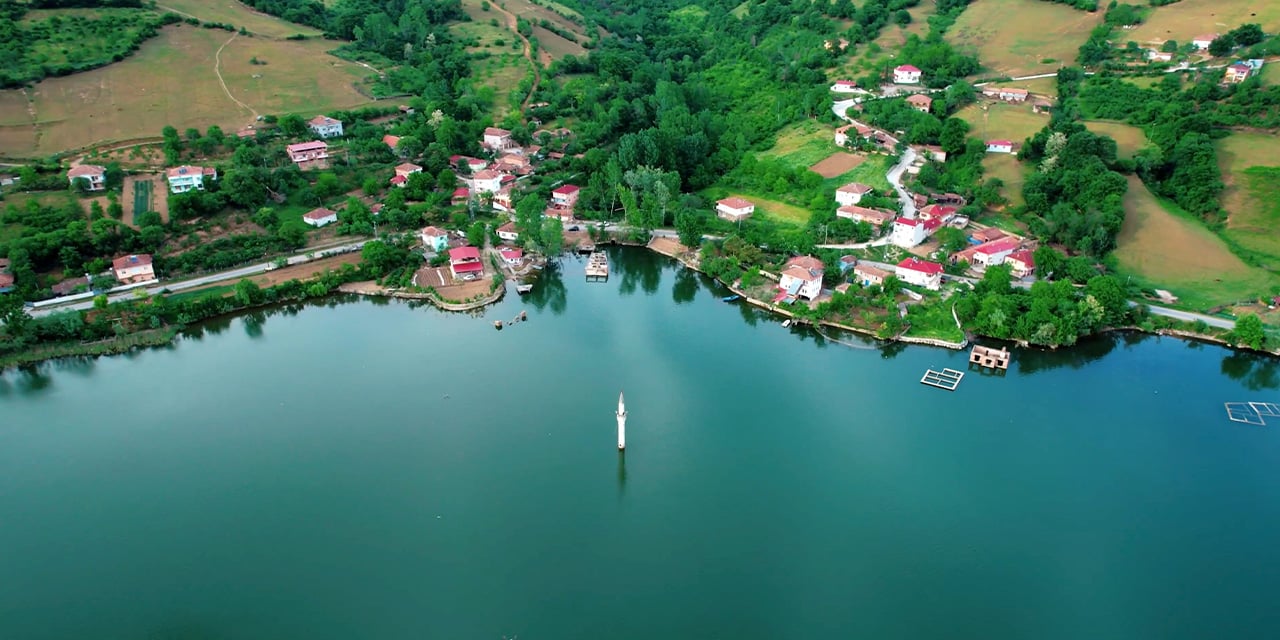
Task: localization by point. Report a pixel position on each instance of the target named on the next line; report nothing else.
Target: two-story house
(801, 278)
(921, 273)
(906, 74)
(186, 178)
(94, 176)
(133, 268)
(325, 127)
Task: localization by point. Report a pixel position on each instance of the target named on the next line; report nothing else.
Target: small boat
(524, 288)
(730, 298)
(786, 323)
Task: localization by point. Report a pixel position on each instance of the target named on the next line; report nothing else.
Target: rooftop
(736, 203)
(923, 266)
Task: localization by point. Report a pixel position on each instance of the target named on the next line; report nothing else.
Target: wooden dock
(598, 266)
(947, 379)
(989, 358)
(587, 247)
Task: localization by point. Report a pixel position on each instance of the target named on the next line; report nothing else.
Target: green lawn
(803, 144)
(1007, 168)
(1129, 139)
(220, 291)
(999, 121)
(775, 209)
(1248, 165)
(871, 171)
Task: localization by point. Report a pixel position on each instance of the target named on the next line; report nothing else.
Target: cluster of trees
(1083, 5)
(1075, 196)
(59, 45)
(1242, 36)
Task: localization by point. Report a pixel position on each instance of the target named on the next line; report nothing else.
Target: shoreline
(370, 288)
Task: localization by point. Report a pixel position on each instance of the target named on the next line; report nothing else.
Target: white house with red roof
(507, 232)
(906, 74)
(511, 255)
(852, 193)
(134, 268)
(503, 200)
(403, 171)
(873, 217)
(320, 217)
(1006, 94)
(920, 102)
(867, 275)
(943, 212)
(391, 141)
(999, 146)
(1021, 263)
(467, 163)
(564, 215)
(308, 154)
(1203, 41)
(434, 238)
(464, 261)
(325, 127)
(993, 253)
(1159, 56)
(1237, 72)
(800, 278)
(565, 196)
(910, 232)
(460, 196)
(496, 139)
(735, 209)
(486, 181)
(94, 175)
(845, 86)
(921, 273)
(186, 178)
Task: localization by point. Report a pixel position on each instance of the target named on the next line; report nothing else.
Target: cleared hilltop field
(235, 13)
(1251, 172)
(1187, 19)
(1023, 37)
(172, 80)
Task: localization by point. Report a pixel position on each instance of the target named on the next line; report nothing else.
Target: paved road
(895, 178)
(1187, 316)
(878, 242)
(174, 287)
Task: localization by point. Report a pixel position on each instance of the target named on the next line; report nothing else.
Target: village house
(511, 256)
(867, 275)
(467, 163)
(873, 217)
(1008, 95)
(6, 282)
(734, 209)
(434, 238)
(309, 155)
(507, 232)
(920, 102)
(999, 146)
(992, 253)
(1021, 263)
(460, 196)
(844, 86)
(943, 212)
(565, 196)
(931, 151)
(486, 181)
(910, 232)
(393, 143)
(852, 193)
(842, 135)
(1159, 56)
(513, 163)
(185, 178)
(325, 127)
(1203, 41)
(134, 268)
(403, 171)
(502, 200)
(801, 277)
(564, 215)
(986, 235)
(1237, 72)
(847, 263)
(94, 175)
(465, 262)
(920, 273)
(320, 217)
(497, 140)
(906, 74)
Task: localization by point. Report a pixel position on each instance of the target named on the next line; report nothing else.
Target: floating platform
(587, 247)
(523, 288)
(989, 358)
(598, 266)
(947, 379)
(1255, 413)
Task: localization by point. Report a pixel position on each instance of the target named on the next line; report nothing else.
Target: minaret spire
(622, 423)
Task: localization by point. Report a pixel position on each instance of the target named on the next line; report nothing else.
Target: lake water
(374, 469)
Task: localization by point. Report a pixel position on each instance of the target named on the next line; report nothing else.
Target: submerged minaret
(622, 423)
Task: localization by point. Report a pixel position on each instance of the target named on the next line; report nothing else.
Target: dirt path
(513, 24)
(217, 63)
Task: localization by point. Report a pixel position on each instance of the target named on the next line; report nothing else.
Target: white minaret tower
(622, 423)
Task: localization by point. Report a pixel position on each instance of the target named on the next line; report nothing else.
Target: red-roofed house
(434, 238)
(508, 232)
(734, 209)
(565, 215)
(801, 277)
(1021, 263)
(920, 273)
(403, 171)
(873, 217)
(993, 253)
(986, 235)
(6, 282)
(999, 146)
(909, 232)
(460, 196)
(1237, 73)
(565, 196)
(920, 102)
(867, 275)
(392, 142)
(320, 217)
(134, 268)
(468, 163)
(906, 74)
(845, 86)
(185, 178)
(486, 181)
(94, 175)
(941, 212)
(496, 139)
(465, 261)
(309, 155)
(852, 193)
(325, 127)
(511, 256)
(1203, 41)
(1008, 95)
(502, 200)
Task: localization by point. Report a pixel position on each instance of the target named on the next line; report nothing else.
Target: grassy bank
(114, 346)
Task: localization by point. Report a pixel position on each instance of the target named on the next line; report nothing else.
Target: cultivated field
(171, 80)
(1171, 250)
(1007, 168)
(143, 193)
(1016, 37)
(1039, 86)
(235, 13)
(1184, 20)
(1271, 73)
(1000, 121)
(551, 43)
(838, 164)
(1129, 139)
(1253, 221)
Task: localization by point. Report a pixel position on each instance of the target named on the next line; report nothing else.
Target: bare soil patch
(837, 164)
(305, 271)
(452, 290)
(159, 197)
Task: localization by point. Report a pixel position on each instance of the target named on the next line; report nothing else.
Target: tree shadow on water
(686, 286)
(1257, 372)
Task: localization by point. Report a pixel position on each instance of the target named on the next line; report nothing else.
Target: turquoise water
(365, 469)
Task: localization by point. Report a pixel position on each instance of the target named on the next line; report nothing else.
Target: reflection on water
(1087, 351)
(1258, 372)
(686, 287)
